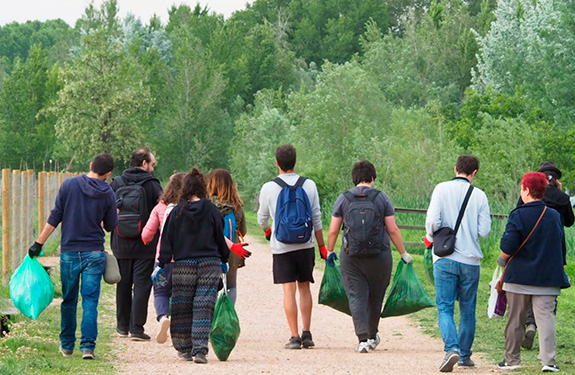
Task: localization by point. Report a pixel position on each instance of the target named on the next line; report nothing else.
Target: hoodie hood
(224, 207)
(93, 187)
(195, 211)
(555, 198)
(136, 174)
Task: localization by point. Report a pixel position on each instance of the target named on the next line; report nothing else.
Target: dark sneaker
(139, 337)
(468, 363)
(66, 352)
(293, 343)
(121, 332)
(187, 356)
(306, 340)
(505, 366)
(527, 342)
(550, 368)
(449, 361)
(201, 358)
(88, 354)
(373, 343)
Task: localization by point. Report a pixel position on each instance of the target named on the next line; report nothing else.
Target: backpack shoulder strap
(119, 181)
(280, 182)
(372, 195)
(349, 195)
(300, 181)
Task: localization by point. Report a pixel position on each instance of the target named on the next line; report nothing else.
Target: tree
(104, 103)
(430, 62)
(530, 45)
(196, 130)
(22, 96)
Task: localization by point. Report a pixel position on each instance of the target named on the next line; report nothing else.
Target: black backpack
(132, 205)
(362, 225)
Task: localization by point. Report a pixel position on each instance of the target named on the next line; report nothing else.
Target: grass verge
(31, 347)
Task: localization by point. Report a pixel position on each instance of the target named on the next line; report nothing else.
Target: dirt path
(403, 349)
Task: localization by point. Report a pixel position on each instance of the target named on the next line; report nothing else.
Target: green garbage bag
(331, 292)
(428, 265)
(407, 294)
(225, 326)
(31, 289)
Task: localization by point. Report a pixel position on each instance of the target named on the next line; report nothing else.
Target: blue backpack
(230, 225)
(293, 219)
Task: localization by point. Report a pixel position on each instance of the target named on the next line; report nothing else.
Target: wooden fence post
(5, 226)
(15, 239)
(41, 201)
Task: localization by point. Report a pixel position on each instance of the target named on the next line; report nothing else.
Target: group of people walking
(180, 250)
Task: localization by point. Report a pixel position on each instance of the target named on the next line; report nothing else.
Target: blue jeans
(163, 293)
(89, 267)
(455, 280)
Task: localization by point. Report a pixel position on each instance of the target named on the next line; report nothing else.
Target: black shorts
(294, 266)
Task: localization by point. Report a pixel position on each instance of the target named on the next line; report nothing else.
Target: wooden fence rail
(421, 228)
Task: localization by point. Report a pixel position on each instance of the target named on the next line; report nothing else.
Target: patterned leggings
(194, 294)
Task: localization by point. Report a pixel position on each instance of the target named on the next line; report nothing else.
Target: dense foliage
(407, 84)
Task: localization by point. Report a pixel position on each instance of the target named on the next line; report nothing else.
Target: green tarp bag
(331, 292)
(428, 264)
(31, 289)
(225, 325)
(407, 294)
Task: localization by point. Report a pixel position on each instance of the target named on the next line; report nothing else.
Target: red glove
(323, 252)
(238, 249)
(427, 243)
(268, 234)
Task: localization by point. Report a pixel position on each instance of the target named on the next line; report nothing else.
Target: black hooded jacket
(193, 230)
(134, 248)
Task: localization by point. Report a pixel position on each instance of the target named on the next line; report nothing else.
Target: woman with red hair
(534, 274)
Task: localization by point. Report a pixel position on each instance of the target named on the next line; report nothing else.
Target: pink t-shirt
(156, 222)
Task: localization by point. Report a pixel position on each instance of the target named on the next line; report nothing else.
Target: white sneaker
(164, 328)
(373, 343)
(362, 347)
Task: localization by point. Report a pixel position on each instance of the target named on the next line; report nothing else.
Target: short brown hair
(466, 164)
(286, 156)
(102, 164)
(363, 171)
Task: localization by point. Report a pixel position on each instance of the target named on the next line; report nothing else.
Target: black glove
(35, 250)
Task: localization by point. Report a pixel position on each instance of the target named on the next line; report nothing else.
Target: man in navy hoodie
(84, 205)
(136, 260)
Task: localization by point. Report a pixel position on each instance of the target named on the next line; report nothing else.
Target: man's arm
(333, 232)
(433, 218)
(111, 217)
(263, 211)
(484, 218)
(394, 233)
(45, 234)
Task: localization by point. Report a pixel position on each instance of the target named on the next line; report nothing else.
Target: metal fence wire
(27, 199)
